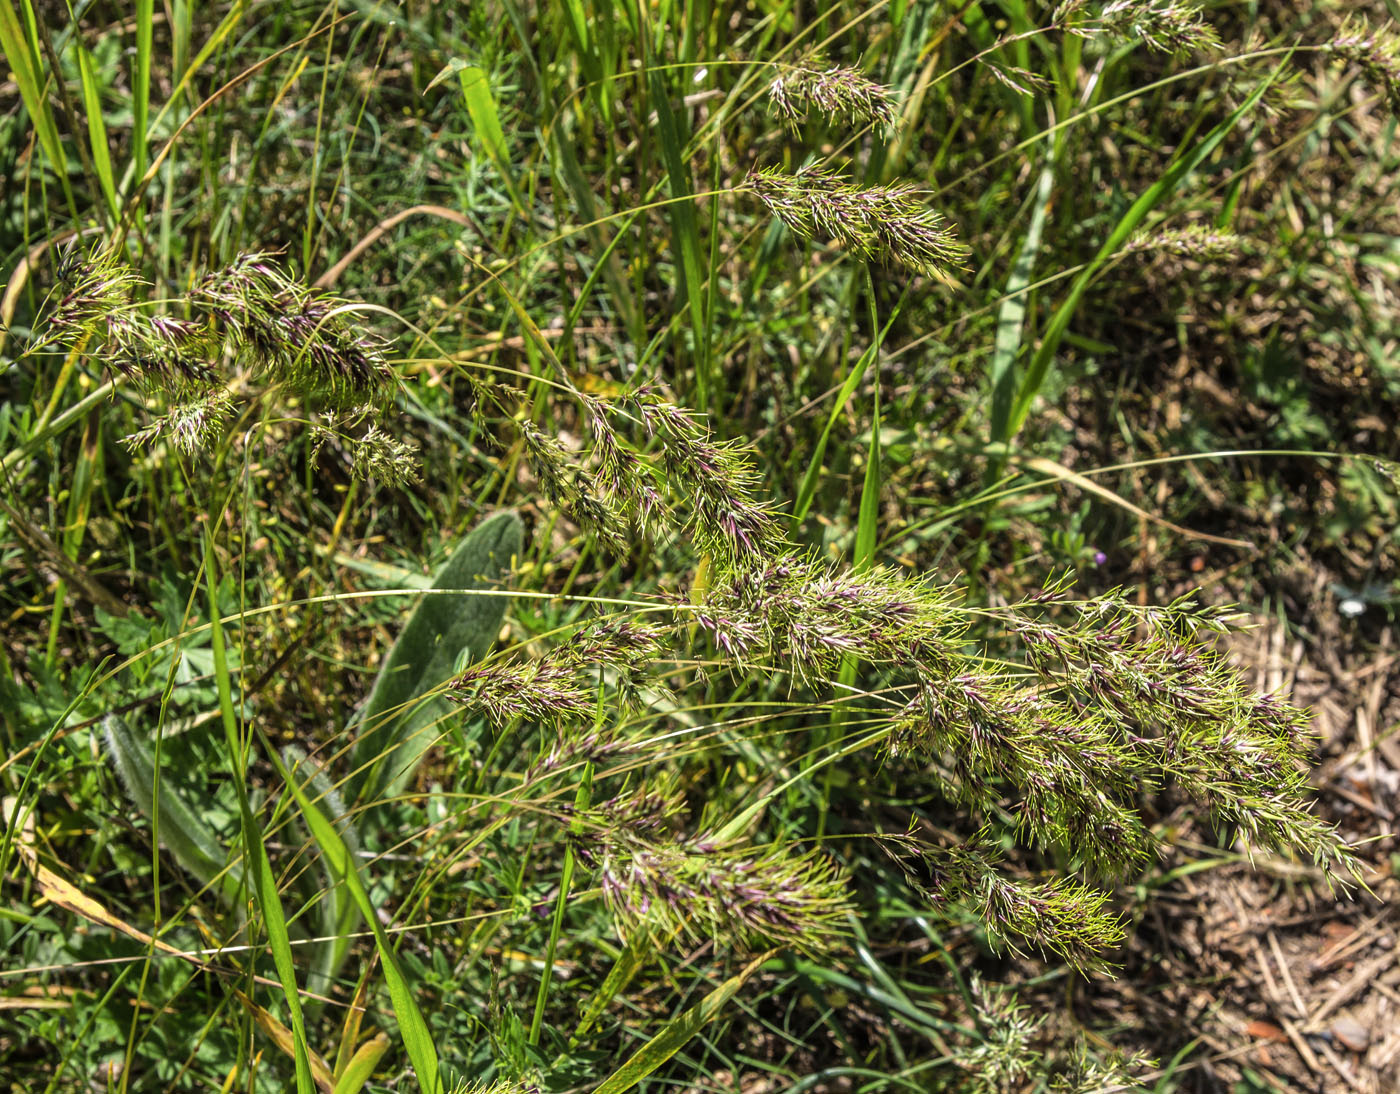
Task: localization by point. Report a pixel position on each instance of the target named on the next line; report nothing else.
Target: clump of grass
(245, 322)
(1053, 736)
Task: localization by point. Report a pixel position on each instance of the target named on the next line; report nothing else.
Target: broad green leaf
(194, 844)
(396, 724)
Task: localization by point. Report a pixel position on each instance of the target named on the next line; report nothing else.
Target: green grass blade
(867, 523)
(336, 916)
(486, 119)
(1012, 315)
(257, 865)
(625, 966)
(581, 800)
(141, 84)
(97, 131)
(417, 1040)
(676, 1033)
(686, 231)
(361, 1066)
(24, 63)
(1149, 199)
(867, 528)
(808, 488)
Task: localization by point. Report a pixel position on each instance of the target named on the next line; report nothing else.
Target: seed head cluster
(1167, 26)
(1194, 242)
(1110, 702)
(707, 887)
(1375, 52)
(249, 314)
(889, 224)
(835, 92)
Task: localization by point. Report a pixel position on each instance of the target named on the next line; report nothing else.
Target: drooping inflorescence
(708, 886)
(834, 91)
(1167, 26)
(889, 224)
(247, 321)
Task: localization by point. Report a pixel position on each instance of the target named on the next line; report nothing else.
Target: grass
(673, 561)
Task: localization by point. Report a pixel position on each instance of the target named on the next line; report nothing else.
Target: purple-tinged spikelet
(833, 91)
(889, 224)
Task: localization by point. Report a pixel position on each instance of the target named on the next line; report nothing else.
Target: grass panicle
(836, 92)
(888, 224)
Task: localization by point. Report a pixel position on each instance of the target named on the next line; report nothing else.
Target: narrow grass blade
(1011, 317)
(24, 63)
(417, 1040)
(141, 85)
(282, 1037)
(868, 520)
(867, 527)
(1149, 199)
(581, 800)
(257, 865)
(686, 231)
(676, 1033)
(1064, 474)
(97, 131)
(354, 1016)
(481, 107)
(625, 966)
(337, 915)
(808, 489)
(361, 1066)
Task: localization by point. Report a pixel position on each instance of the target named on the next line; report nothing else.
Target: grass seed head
(833, 91)
(1167, 26)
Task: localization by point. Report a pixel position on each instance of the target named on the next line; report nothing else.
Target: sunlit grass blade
(481, 108)
(417, 1039)
(806, 492)
(24, 63)
(1059, 323)
(361, 1065)
(97, 131)
(257, 865)
(1011, 316)
(141, 85)
(685, 230)
(676, 1033)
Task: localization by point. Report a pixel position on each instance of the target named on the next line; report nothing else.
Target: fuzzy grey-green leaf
(395, 725)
